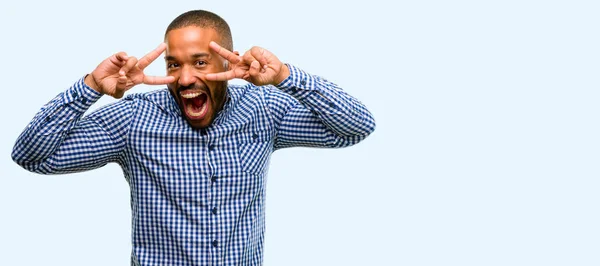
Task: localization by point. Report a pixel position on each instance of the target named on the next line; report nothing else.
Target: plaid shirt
(197, 195)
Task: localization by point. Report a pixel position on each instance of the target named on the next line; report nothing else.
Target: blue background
(486, 149)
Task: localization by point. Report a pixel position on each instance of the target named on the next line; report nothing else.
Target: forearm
(340, 112)
(48, 129)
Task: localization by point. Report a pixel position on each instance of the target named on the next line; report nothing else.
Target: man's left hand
(257, 66)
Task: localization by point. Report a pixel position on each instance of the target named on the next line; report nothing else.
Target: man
(196, 154)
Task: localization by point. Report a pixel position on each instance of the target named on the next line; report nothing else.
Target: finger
(122, 56)
(119, 58)
(249, 59)
(118, 94)
(153, 80)
(128, 65)
(120, 87)
(254, 68)
(222, 76)
(259, 54)
(121, 80)
(150, 57)
(124, 86)
(228, 55)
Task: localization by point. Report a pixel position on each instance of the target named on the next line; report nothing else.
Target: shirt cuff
(299, 84)
(80, 96)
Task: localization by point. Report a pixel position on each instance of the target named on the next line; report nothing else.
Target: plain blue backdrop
(486, 149)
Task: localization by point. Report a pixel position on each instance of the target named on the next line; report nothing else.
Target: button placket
(212, 153)
(210, 195)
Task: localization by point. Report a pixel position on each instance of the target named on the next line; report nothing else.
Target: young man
(196, 154)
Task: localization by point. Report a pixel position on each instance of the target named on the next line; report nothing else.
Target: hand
(121, 72)
(257, 66)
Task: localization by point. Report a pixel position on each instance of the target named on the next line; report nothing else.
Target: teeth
(191, 95)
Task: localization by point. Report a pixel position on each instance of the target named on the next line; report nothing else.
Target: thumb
(254, 68)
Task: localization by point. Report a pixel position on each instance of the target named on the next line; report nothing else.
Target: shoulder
(251, 91)
(160, 99)
(152, 96)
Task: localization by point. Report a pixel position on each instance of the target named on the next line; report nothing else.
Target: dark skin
(189, 58)
(195, 63)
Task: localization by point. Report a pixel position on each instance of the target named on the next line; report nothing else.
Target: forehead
(189, 40)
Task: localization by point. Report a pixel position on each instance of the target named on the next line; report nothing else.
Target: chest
(238, 143)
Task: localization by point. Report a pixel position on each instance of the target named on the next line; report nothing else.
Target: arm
(319, 113)
(58, 140)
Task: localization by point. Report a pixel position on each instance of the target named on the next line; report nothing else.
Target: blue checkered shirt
(197, 196)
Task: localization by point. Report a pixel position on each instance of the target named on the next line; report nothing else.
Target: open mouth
(195, 103)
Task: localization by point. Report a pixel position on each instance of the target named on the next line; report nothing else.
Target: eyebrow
(196, 55)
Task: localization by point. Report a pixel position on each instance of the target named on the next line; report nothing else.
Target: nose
(187, 77)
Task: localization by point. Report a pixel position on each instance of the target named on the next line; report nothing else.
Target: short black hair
(204, 19)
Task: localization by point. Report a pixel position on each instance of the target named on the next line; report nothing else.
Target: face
(189, 59)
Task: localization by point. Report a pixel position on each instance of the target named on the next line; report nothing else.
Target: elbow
(347, 141)
(23, 159)
(361, 132)
(369, 126)
(19, 159)
(17, 155)
(22, 151)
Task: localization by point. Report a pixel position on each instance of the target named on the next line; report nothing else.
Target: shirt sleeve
(58, 140)
(318, 113)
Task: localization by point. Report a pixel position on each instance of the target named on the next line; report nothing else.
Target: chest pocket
(254, 148)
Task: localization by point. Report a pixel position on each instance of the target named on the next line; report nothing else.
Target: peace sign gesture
(121, 72)
(257, 66)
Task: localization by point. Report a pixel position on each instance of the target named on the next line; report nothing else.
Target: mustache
(192, 86)
(201, 87)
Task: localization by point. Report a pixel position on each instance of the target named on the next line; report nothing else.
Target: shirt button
(213, 179)
(254, 136)
(211, 147)
(331, 105)
(215, 243)
(214, 210)
(303, 82)
(203, 132)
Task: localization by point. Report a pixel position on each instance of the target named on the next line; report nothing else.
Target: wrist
(91, 82)
(284, 73)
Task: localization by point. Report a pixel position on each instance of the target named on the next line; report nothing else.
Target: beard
(199, 104)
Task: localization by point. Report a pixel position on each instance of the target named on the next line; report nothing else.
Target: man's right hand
(120, 72)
